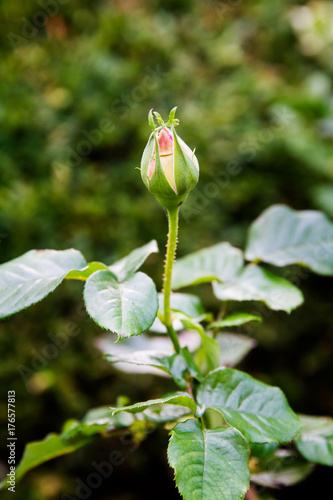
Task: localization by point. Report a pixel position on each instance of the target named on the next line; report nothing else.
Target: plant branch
(169, 260)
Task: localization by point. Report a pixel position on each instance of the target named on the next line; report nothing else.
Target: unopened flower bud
(169, 168)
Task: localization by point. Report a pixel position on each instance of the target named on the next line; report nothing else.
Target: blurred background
(253, 85)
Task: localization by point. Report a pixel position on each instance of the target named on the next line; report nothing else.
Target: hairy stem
(169, 260)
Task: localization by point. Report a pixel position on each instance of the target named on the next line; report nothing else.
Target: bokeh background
(253, 83)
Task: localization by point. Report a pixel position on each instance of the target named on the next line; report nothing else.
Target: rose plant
(227, 428)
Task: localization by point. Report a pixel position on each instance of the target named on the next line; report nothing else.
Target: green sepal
(186, 173)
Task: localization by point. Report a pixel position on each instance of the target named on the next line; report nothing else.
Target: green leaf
(186, 303)
(146, 354)
(165, 413)
(282, 468)
(128, 265)
(219, 262)
(74, 435)
(84, 274)
(96, 421)
(31, 277)
(315, 441)
(210, 347)
(236, 319)
(38, 452)
(173, 364)
(263, 450)
(259, 411)
(176, 398)
(256, 283)
(209, 464)
(233, 348)
(128, 308)
(282, 236)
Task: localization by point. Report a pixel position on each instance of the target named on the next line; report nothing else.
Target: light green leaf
(209, 464)
(165, 413)
(176, 398)
(256, 283)
(84, 274)
(128, 308)
(282, 236)
(174, 364)
(186, 303)
(315, 441)
(154, 355)
(259, 411)
(128, 265)
(220, 262)
(282, 468)
(210, 348)
(180, 302)
(236, 319)
(233, 348)
(31, 277)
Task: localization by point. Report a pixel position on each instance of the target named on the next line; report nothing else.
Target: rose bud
(169, 168)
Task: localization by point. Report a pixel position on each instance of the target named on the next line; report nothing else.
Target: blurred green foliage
(253, 82)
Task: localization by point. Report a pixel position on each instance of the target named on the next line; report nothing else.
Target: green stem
(169, 260)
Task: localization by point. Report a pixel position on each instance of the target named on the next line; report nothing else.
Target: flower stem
(169, 260)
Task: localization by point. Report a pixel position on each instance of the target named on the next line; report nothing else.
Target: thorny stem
(169, 260)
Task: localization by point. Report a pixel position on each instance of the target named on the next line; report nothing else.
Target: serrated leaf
(84, 273)
(219, 262)
(209, 464)
(233, 348)
(31, 277)
(132, 262)
(315, 441)
(128, 308)
(256, 283)
(176, 398)
(260, 412)
(236, 319)
(282, 236)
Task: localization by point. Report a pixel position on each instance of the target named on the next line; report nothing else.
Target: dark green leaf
(282, 236)
(209, 464)
(31, 277)
(259, 411)
(74, 435)
(128, 308)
